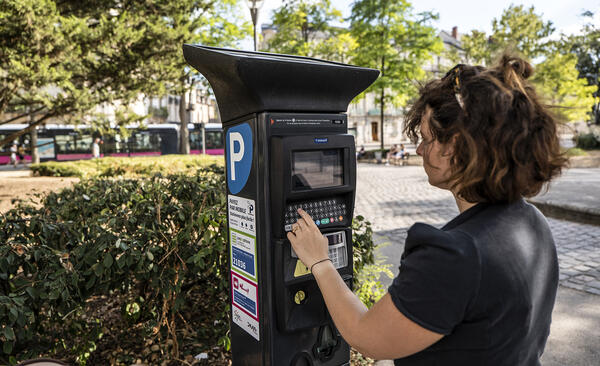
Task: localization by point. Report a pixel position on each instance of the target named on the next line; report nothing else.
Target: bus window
(195, 140)
(214, 139)
(144, 141)
(83, 144)
(65, 144)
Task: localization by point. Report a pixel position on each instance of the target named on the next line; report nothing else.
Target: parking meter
(286, 146)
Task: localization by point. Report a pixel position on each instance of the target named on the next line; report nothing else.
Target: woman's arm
(381, 332)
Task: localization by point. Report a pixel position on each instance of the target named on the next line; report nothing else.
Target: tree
(477, 48)
(304, 28)
(62, 59)
(586, 46)
(395, 41)
(557, 75)
(518, 29)
(521, 29)
(558, 79)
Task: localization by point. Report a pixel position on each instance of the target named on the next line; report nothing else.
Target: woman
(479, 291)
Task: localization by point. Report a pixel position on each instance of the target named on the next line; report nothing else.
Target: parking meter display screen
(317, 169)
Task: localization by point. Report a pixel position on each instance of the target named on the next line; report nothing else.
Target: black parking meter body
(287, 146)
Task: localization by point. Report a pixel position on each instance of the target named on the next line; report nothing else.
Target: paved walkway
(393, 198)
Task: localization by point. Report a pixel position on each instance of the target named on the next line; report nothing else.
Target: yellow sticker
(301, 269)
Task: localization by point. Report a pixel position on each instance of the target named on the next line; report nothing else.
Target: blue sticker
(243, 260)
(321, 140)
(238, 147)
(244, 301)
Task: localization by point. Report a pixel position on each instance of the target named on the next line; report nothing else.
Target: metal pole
(203, 139)
(254, 14)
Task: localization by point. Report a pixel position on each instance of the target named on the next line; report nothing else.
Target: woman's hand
(308, 242)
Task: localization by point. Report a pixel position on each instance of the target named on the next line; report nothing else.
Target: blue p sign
(238, 147)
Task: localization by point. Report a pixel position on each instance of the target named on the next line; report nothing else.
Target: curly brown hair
(505, 142)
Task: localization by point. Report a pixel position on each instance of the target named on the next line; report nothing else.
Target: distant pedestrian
(13, 154)
(96, 147)
(21, 154)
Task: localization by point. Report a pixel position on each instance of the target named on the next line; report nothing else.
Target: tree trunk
(35, 157)
(382, 102)
(184, 133)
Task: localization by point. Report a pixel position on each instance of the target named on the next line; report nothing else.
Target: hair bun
(521, 67)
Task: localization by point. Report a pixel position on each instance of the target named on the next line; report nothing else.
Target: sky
(478, 14)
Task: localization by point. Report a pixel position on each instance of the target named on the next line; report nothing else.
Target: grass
(575, 151)
(126, 167)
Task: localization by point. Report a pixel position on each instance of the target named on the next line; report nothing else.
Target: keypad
(337, 249)
(323, 212)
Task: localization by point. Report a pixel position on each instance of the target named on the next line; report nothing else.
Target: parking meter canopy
(247, 82)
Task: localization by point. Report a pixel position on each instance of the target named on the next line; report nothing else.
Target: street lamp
(254, 6)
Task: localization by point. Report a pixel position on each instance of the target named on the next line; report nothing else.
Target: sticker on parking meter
(244, 303)
(242, 214)
(243, 253)
(238, 150)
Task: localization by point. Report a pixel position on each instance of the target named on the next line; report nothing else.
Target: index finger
(309, 221)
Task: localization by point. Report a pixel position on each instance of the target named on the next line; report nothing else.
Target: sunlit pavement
(395, 197)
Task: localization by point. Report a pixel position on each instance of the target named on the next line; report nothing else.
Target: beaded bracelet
(321, 261)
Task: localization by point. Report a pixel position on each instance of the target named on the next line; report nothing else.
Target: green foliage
(476, 47)
(521, 29)
(586, 46)
(558, 79)
(161, 112)
(395, 41)
(575, 151)
(370, 289)
(363, 245)
(159, 242)
(125, 167)
(122, 262)
(588, 141)
(61, 59)
(304, 28)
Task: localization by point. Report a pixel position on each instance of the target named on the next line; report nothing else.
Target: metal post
(203, 138)
(255, 6)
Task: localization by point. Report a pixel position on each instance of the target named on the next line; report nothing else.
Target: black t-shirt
(487, 281)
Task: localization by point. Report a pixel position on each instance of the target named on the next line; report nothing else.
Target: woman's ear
(448, 148)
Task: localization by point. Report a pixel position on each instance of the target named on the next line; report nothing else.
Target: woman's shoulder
(451, 242)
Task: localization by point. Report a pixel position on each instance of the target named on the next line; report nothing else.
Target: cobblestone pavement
(393, 198)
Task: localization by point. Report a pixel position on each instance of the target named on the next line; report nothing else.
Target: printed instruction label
(243, 254)
(244, 298)
(242, 214)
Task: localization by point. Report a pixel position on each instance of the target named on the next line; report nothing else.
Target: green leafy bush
(109, 267)
(158, 244)
(126, 167)
(588, 141)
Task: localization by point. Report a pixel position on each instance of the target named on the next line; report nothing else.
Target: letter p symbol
(234, 156)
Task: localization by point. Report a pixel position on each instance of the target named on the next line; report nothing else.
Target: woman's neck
(462, 204)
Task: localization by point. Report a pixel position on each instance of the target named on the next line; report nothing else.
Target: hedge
(111, 268)
(126, 167)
